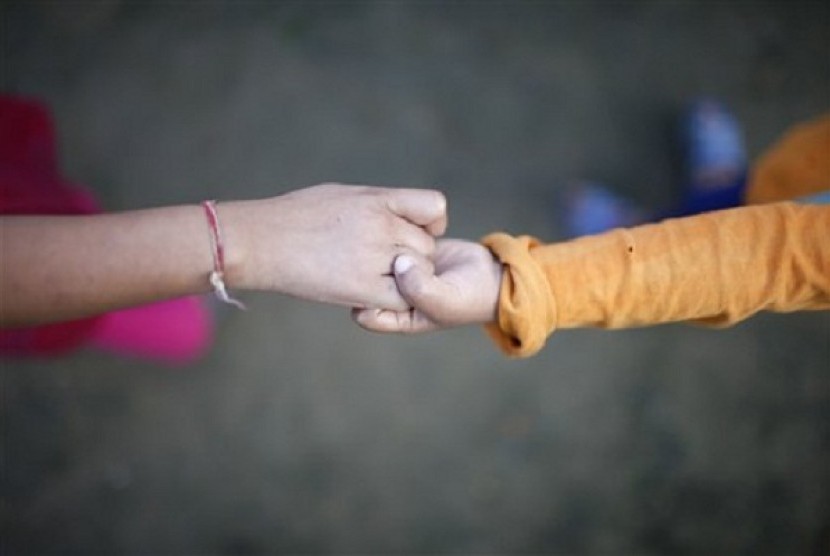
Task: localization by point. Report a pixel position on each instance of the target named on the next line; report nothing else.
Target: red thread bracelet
(217, 277)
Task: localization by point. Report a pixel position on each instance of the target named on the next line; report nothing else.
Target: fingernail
(403, 263)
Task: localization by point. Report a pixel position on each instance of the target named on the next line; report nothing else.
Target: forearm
(56, 268)
(329, 243)
(716, 268)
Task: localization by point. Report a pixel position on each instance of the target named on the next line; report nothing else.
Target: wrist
(260, 244)
(231, 216)
(497, 270)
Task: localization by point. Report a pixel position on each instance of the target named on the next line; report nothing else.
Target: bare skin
(459, 287)
(329, 243)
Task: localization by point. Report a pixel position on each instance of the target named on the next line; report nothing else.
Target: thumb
(420, 287)
(423, 207)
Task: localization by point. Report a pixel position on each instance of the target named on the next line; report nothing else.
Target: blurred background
(301, 433)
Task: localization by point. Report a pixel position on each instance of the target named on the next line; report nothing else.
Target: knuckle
(430, 244)
(440, 201)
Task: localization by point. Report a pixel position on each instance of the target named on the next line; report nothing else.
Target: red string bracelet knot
(217, 276)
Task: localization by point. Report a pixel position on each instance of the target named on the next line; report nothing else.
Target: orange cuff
(527, 308)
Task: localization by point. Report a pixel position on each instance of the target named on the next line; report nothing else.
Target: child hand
(460, 286)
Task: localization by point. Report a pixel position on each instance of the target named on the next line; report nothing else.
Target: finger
(385, 295)
(423, 207)
(415, 239)
(393, 322)
(419, 286)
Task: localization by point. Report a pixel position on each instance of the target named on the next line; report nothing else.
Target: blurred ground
(301, 433)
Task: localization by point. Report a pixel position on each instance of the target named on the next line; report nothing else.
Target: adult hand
(461, 288)
(331, 243)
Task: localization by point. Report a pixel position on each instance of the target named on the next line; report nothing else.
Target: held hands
(329, 243)
(460, 286)
(369, 248)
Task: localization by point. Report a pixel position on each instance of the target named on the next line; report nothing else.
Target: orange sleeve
(715, 269)
(797, 165)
